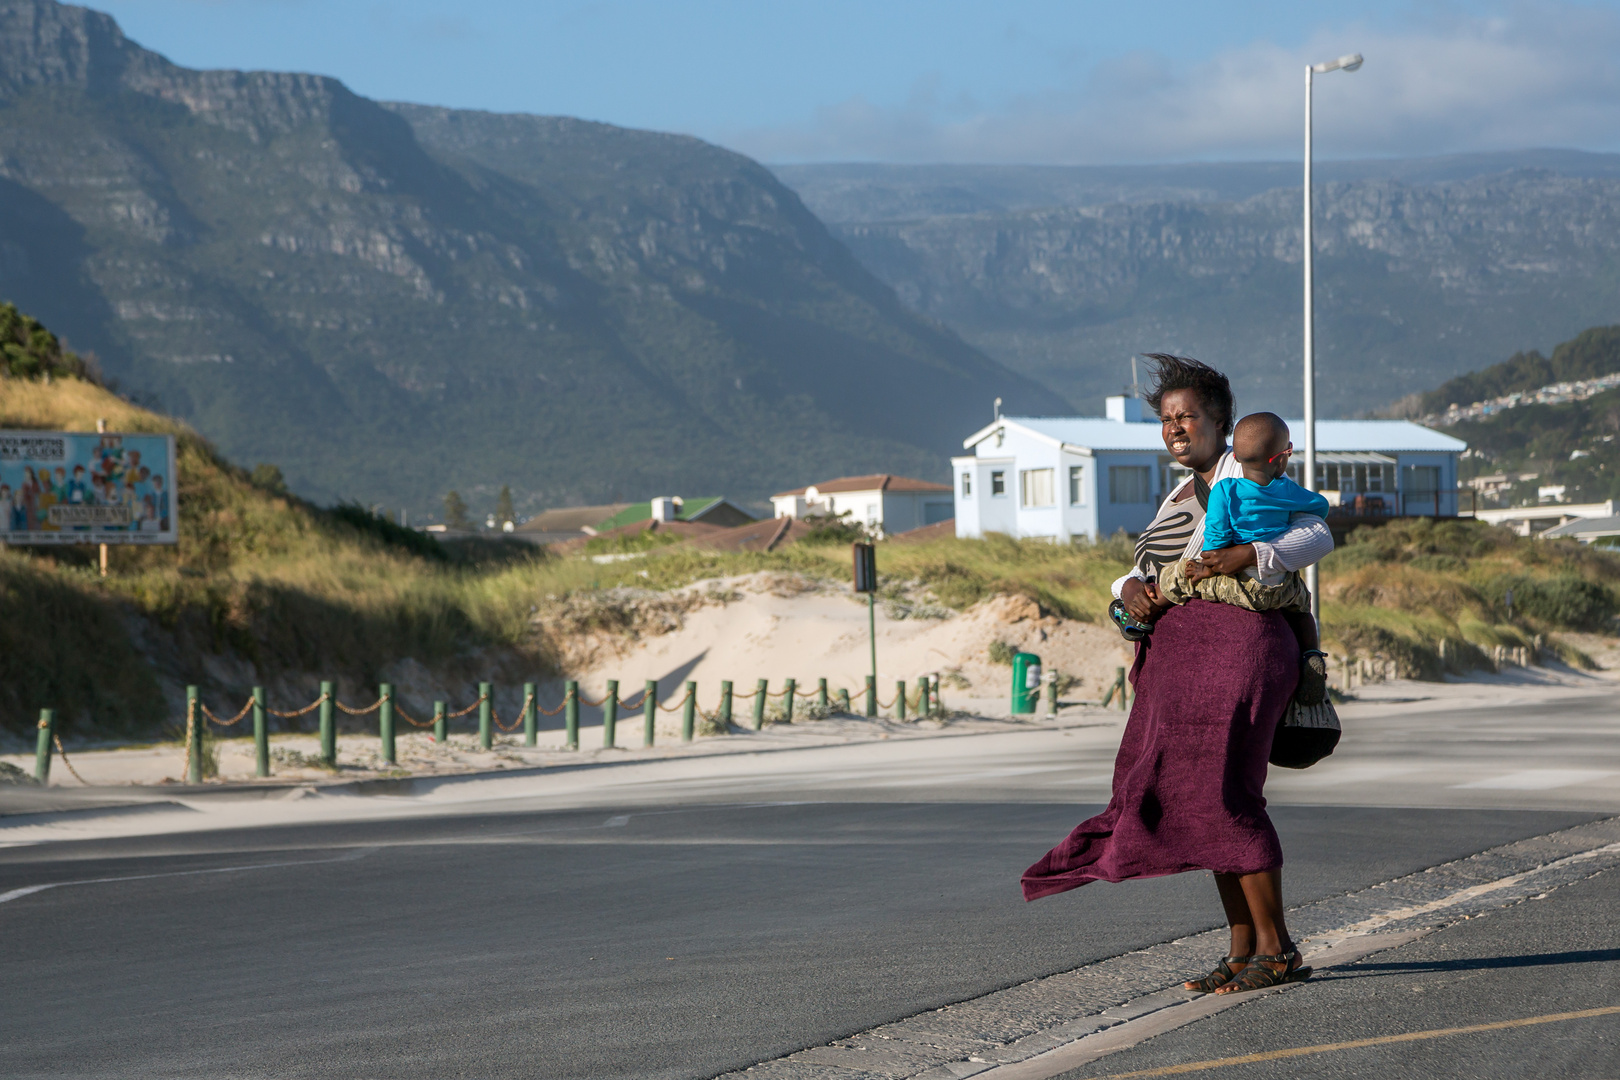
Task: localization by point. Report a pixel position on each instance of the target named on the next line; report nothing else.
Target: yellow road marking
(1382, 1040)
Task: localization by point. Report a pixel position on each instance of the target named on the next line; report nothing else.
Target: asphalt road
(674, 941)
(1531, 962)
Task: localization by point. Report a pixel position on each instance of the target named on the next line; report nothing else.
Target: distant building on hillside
(889, 504)
(1063, 477)
(573, 522)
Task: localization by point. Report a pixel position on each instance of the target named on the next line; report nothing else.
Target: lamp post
(1348, 63)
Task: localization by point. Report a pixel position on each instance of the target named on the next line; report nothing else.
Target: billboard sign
(73, 487)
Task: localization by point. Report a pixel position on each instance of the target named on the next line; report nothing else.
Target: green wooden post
(261, 736)
(843, 699)
(610, 715)
(760, 693)
(571, 715)
(787, 700)
(1119, 680)
(924, 705)
(725, 703)
(871, 695)
(42, 752)
(441, 724)
(900, 700)
(689, 713)
(486, 712)
(1051, 693)
(821, 694)
(385, 720)
(649, 713)
(328, 725)
(531, 716)
(194, 733)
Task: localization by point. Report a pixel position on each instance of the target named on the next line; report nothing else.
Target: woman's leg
(1242, 923)
(1262, 903)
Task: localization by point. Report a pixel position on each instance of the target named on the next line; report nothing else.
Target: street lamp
(1348, 63)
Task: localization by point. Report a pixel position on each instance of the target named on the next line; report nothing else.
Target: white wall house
(1063, 477)
(891, 504)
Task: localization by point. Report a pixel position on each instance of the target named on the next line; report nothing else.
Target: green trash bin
(1026, 682)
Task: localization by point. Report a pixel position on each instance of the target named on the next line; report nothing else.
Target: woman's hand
(1230, 561)
(1142, 599)
(1312, 689)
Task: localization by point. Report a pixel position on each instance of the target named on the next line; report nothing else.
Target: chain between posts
(632, 706)
(65, 761)
(464, 712)
(311, 707)
(678, 705)
(495, 714)
(403, 715)
(373, 707)
(226, 723)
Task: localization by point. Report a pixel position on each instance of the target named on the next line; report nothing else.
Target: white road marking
(29, 890)
(1537, 779)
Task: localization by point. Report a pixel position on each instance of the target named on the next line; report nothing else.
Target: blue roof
(1332, 436)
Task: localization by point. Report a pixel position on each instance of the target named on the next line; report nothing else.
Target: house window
(1129, 483)
(1077, 485)
(998, 483)
(871, 513)
(1037, 487)
(1420, 478)
(967, 485)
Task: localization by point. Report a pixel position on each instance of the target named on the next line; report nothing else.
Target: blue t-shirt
(1242, 511)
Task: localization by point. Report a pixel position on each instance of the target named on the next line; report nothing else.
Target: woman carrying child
(1212, 680)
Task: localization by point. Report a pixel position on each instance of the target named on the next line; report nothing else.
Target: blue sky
(910, 81)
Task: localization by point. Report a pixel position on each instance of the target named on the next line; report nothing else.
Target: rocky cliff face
(1415, 281)
(393, 301)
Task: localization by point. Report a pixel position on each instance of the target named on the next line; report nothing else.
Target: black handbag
(1306, 735)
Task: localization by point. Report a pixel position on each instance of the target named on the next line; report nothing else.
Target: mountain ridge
(300, 273)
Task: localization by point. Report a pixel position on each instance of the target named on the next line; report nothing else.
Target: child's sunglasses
(1274, 458)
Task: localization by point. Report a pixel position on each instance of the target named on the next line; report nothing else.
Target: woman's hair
(1184, 373)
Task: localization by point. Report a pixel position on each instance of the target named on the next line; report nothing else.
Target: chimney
(1127, 410)
(664, 508)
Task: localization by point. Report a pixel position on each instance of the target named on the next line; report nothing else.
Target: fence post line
(328, 725)
(486, 709)
(821, 694)
(571, 715)
(531, 720)
(725, 703)
(760, 689)
(871, 695)
(787, 699)
(1051, 693)
(261, 737)
(385, 720)
(924, 706)
(610, 715)
(194, 736)
(649, 712)
(42, 752)
(843, 700)
(900, 700)
(441, 724)
(689, 713)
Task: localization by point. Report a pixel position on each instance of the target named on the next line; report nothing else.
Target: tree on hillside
(455, 511)
(503, 506)
(29, 351)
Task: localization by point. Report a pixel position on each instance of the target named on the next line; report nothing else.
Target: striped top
(1166, 537)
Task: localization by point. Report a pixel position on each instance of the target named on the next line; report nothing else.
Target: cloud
(1529, 75)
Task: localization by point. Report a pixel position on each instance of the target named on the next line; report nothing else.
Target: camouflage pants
(1241, 591)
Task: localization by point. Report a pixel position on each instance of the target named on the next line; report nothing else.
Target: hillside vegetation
(1588, 355)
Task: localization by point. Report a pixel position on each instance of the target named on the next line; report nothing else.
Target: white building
(891, 504)
(1063, 477)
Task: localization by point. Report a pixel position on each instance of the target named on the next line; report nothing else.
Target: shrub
(1566, 601)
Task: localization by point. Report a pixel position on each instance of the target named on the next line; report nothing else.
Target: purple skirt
(1211, 683)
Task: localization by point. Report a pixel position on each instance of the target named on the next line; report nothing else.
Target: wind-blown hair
(1184, 373)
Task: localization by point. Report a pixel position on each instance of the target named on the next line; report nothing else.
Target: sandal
(1223, 974)
(1257, 976)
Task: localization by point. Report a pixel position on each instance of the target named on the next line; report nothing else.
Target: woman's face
(1192, 433)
